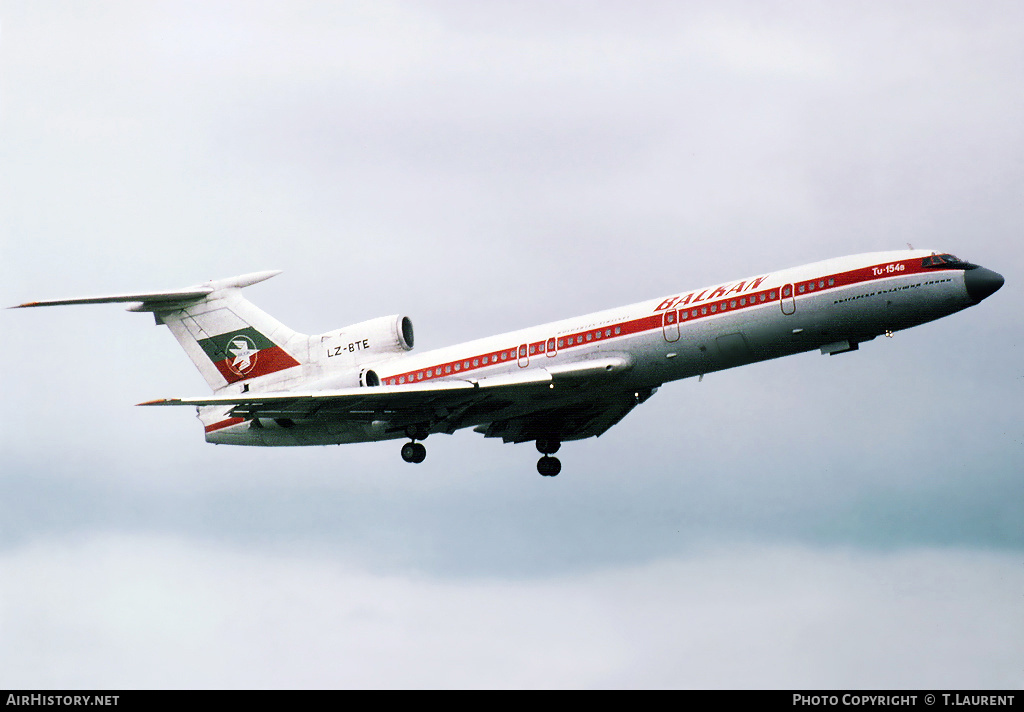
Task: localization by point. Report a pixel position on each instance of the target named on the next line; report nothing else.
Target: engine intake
(367, 341)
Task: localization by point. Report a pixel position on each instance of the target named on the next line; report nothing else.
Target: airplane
(562, 381)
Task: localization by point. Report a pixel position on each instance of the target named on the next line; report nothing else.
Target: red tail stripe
(267, 361)
(224, 424)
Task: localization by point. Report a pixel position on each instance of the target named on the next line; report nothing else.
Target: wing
(566, 402)
(584, 416)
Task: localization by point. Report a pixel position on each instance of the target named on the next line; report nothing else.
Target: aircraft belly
(298, 433)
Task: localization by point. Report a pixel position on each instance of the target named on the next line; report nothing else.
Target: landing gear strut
(414, 451)
(547, 465)
(547, 446)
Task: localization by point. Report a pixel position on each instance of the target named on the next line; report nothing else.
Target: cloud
(166, 612)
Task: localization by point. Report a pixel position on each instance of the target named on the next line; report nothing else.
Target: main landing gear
(547, 465)
(414, 451)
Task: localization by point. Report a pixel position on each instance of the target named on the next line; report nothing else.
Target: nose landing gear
(548, 466)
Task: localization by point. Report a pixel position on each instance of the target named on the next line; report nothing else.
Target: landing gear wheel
(421, 452)
(549, 466)
(548, 446)
(409, 452)
(414, 452)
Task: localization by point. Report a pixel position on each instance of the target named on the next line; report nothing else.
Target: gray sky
(809, 522)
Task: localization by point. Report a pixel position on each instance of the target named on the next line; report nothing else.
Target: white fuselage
(830, 305)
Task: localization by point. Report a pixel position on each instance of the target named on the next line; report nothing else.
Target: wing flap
(592, 367)
(400, 394)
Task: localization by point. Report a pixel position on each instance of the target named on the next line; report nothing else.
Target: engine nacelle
(367, 341)
(353, 378)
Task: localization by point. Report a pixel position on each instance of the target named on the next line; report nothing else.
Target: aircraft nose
(981, 282)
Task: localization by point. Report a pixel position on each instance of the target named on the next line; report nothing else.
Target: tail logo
(243, 354)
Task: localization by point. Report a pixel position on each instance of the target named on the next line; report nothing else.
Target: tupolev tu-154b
(566, 380)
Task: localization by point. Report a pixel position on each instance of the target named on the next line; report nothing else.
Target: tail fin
(226, 336)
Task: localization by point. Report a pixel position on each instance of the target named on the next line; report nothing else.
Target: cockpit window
(946, 261)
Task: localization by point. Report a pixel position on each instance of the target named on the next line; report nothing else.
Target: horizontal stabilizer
(154, 300)
(145, 297)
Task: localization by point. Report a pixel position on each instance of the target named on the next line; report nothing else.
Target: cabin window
(732, 304)
(714, 308)
(447, 369)
(561, 343)
(458, 367)
(831, 282)
(618, 330)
